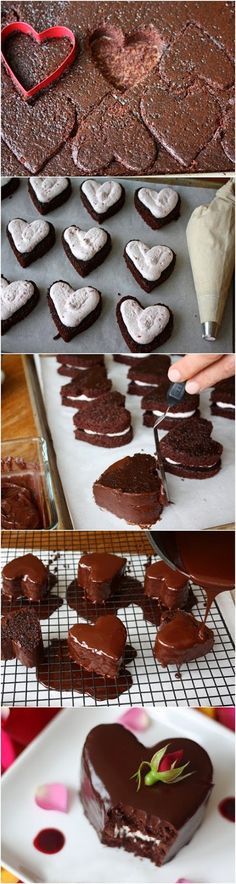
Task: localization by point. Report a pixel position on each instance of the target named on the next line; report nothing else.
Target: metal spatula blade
(174, 395)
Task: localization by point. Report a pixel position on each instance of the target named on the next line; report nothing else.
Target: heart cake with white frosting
(150, 266)
(157, 207)
(102, 200)
(17, 300)
(73, 311)
(30, 240)
(143, 329)
(49, 193)
(86, 249)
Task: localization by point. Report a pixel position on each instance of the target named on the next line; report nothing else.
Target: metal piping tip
(209, 330)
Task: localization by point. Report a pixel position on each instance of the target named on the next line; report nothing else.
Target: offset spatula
(174, 395)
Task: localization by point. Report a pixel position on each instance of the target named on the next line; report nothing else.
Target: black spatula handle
(175, 393)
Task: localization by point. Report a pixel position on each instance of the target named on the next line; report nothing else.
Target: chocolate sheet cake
(139, 67)
(153, 821)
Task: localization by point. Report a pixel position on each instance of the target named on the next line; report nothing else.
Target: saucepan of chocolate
(26, 486)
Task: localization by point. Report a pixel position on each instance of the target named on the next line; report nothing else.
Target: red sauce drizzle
(49, 841)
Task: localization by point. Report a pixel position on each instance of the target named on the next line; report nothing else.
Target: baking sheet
(208, 857)
(207, 681)
(197, 504)
(36, 333)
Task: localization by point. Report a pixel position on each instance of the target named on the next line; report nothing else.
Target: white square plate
(55, 756)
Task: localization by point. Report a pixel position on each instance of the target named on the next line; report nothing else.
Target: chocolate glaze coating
(181, 638)
(99, 648)
(167, 585)
(18, 507)
(156, 821)
(25, 576)
(99, 574)
(132, 490)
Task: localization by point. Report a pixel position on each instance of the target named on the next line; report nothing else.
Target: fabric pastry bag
(210, 238)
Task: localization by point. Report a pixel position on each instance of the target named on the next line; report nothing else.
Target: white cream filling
(85, 398)
(124, 830)
(177, 414)
(46, 189)
(144, 384)
(150, 262)
(102, 196)
(93, 433)
(27, 235)
(224, 405)
(83, 244)
(160, 203)
(177, 464)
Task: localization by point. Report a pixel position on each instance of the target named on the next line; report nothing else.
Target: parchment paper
(197, 504)
(36, 333)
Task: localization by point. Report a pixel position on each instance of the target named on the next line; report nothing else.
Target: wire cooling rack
(208, 681)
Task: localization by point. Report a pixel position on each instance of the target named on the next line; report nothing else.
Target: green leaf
(137, 773)
(156, 759)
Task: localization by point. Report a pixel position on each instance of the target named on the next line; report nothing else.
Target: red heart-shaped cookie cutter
(56, 32)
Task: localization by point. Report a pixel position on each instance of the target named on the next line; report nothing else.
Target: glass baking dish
(27, 492)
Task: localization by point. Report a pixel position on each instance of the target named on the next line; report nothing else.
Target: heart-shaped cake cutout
(104, 130)
(100, 647)
(48, 189)
(126, 59)
(102, 200)
(150, 262)
(26, 235)
(143, 328)
(200, 117)
(152, 814)
(17, 300)
(52, 33)
(85, 244)
(73, 310)
(159, 202)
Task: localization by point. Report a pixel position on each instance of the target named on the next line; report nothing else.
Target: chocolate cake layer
(139, 68)
(99, 574)
(25, 576)
(181, 638)
(99, 648)
(153, 822)
(22, 637)
(223, 398)
(155, 404)
(167, 585)
(104, 423)
(132, 490)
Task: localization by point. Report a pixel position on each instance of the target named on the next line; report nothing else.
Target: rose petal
(53, 796)
(168, 760)
(226, 716)
(8, 752)
(135, 719)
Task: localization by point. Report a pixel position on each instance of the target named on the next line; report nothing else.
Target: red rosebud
(168, 760)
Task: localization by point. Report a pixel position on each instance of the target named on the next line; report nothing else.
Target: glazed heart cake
(99, 648)
(26, 235)
(83, 244)
(102, 196)
(160, 203)
(150, 262)
(151, 811)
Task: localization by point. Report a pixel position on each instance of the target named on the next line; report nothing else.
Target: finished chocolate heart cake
(167, 585)
(99, 648)
(26, 576)
(150, 811)
(99, 574)
(181, 638)
(132, 490)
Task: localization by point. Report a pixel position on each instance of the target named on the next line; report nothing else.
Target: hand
(201, 372)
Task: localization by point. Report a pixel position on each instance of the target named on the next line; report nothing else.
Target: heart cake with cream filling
(48, 194)
(157, 207)
(30, 241)
(73, 311)
(17, 300)
(102, 200)
(143, 328)
(149, 266)
(151, 811)
(189, 451)
(86, 249)
(105, 424)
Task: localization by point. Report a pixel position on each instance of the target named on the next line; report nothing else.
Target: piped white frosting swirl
(159, 202)
(46, 189)
(73, 306)
(83, 244)
(27, 235)
(150, 262)
(14, 295)
(102, 196)
(144, 325)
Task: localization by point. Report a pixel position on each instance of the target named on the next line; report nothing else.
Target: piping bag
(210, 238)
